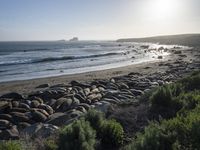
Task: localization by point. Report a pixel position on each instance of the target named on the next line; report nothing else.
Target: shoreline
(28, 86)
(21, 86)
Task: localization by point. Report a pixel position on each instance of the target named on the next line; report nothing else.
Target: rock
(182, 55)
(5, 106)
(123, 86)
(136, 92)
(81, 108)
(34, 98)
(10, 134)
(80, 98)
(160, 82)
(40, 130)
(13, 95)
(4, 124)
(76, 83)
(35, 104)
(86, 106)
(51, 102)
(38, 116)
(102, 106)
(93, 97)
(23, 125)
(43, 86)
(48, 108)
(177, 52)
(161, 48)
(22, 110)
(19, 117)
(44, 112)
(23, 105)
(95, 90)
(75, 102)
(58, 119)
(6, 117)
(86, 91)
(15, 103)
(75, 114)
(62, 104)
(144, 46)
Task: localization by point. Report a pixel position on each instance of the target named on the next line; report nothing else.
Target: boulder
(102, 106)
(43, 85)
(35, 104)
(10, 134)
(80, 98)
(40, 130)
(136, 92)
(58, 119)
(75, 114)
(62, 104)
(5, 106)
(38, 116)
(6, 117)
(23, 125)
(4, 124)
(48, 108)
(19, 117)
(76, 83)
(24, 105)
(86, 106)
(13, 95)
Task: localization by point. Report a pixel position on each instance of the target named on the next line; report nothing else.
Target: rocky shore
(41, 111)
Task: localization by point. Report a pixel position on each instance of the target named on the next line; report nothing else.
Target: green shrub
(77, 136)
(162, 97)
(176, 89)
(192, 82)
(154, 138)
(50, 144)
(10, 145)
(189, 100)
(112, 134)
(163, 103)
(95, 118)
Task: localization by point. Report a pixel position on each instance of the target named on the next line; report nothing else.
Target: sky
(30, 20)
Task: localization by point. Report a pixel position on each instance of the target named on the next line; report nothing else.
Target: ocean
(29, 60)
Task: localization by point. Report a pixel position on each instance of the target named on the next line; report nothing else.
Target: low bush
(95, 118)
(10, 145)
(192, 82)
(181, 132)
(77, 136)
(154, 138)
(189, 100)
(163, 104)
(50, 144)
(111, 134)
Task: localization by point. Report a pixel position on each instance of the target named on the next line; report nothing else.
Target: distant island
(182, 39)
(74, 39)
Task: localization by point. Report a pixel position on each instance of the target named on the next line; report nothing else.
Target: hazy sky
(96, 19)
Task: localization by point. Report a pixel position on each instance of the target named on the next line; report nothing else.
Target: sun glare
(163, 8)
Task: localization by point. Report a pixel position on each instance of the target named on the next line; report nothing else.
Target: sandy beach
(27, 86)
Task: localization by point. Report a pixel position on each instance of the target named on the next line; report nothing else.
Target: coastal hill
(182, 39)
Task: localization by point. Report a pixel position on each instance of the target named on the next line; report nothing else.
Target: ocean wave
(51, 59)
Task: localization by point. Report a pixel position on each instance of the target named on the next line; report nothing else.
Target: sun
(163, 8)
